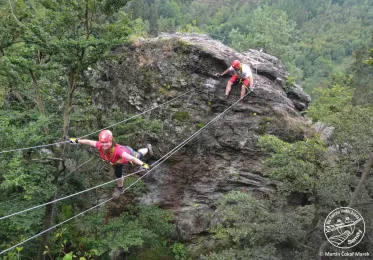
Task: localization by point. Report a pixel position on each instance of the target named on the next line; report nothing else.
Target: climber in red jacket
(117, 155)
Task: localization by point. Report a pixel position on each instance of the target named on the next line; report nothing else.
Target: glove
(145, 167)
(73, 141)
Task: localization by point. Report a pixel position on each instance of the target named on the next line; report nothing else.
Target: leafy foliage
(352, 123)
(275, 34)
(252, 228)
(191, 28)
(362, 70)
(46, 49)
(138, 226)
(306, 167)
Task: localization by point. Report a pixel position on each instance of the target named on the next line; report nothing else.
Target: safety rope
(156, 164)
(153, 165)
(161, 160)
(69, 196)
(146, 111)
(31, 147)
(59, 224)
(139, 114)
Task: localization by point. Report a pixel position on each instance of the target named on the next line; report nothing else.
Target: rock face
(225, 155)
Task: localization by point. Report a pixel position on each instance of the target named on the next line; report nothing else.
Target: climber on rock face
(243, 73)
(116, 155)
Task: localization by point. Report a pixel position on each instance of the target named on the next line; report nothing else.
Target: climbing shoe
(117, 192)
(150, 149)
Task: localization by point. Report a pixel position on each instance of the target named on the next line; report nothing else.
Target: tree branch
(46, 160)
(11, 10)
(76, 169)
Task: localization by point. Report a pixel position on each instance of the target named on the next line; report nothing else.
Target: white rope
(31, 147)
(164, 158)
(35, 207)
(196, 133)
(177, 148)
(59, 224)
(153, 166)
(45, 145)
(138, 114)
(69, 196)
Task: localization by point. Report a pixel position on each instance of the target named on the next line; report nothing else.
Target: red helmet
(105, 136)
(236, 64)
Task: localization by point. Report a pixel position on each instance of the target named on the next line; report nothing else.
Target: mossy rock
(181, 116)
(200, 125)
(163, 91)
(263, 125)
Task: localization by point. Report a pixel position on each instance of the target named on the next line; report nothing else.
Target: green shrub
(181, 116)
(163, 90)
(200, 125)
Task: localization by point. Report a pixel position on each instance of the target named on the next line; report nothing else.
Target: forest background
(47, 46)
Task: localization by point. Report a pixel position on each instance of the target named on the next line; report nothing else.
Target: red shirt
(114, 154)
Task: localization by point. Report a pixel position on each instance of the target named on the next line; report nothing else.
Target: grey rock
(224, 156)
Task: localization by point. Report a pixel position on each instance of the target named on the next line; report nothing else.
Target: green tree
(362, 71)
(137, 227)
(268, 29)
(50, 44)
(251, 228)
(351, 122)
(190, 28)
(352, 130)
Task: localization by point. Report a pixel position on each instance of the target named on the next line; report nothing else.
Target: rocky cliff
(223, 157)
